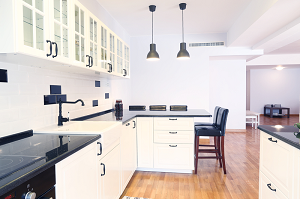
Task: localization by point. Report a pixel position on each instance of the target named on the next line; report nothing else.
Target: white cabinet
(76, 176)
(145, 141)
(276, 165)
(109, 175)
(128, 152)
(267, 189)
(174, 123)
(296, 173)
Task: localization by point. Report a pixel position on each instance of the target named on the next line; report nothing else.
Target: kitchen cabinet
(296, 173)
(128, 152)
(76, 176)
(145, 142)
(58, 35)
(276, 166)
(268, 189)
(109, 174)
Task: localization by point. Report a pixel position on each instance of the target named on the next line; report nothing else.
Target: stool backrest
(221, 120)
(216, 115)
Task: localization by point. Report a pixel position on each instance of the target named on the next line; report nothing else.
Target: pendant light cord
(182, 28)
(152, 27)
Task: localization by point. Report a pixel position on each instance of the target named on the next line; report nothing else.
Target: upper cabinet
(60, 33)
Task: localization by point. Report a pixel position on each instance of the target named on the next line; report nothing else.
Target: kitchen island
(279, 175)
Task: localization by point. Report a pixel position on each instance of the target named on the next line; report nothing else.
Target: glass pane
(96, 56)
(65, 43)
(28, 1)
(57, 37)
(118, 64)
(77, 47)
(77, 19)
(118, 51)
(102, 57)
(82, 21)
(57, 10)
(91, 49)
(91, 29)
(102, 36)
(121, 65)
(39, 31)
(112, 43)
(28, 27)
(95, 31)
(125, 55)
(65, 12)
(39, 4)
(105, 38)
(82, 49)
(121, 49)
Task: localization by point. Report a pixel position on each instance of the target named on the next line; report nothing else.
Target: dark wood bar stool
(218, 132)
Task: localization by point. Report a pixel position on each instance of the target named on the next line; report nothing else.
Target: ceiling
(269, 25)
(200, 16)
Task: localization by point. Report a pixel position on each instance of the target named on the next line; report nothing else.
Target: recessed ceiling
(200, 16)
(293, 48)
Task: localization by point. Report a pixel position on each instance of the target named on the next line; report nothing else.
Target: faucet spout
(61, 119)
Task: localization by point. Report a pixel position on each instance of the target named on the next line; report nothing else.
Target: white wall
(268, 86)
(193, 82)
(228, 90)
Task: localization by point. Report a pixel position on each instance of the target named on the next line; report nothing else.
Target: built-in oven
(41, 186)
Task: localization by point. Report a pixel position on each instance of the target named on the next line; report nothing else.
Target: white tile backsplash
(22, 98)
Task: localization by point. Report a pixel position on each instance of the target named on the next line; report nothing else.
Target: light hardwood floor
(241, 180)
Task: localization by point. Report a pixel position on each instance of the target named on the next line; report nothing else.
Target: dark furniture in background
(216, 130)
(275, 110)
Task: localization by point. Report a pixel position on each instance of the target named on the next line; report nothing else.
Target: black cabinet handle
(125, 72)
(56, 49)
(88, 65)
(172, 119)
(91, 62)
(272, 140)
(133, 124)
(103, 169)
(109, 67)
(173, 145)
(127, 124)
(269, 185)
(50, 48)
(173, 132)
(100, 148)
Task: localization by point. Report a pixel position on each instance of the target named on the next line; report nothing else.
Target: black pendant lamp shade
(152, 55)
(183, 53)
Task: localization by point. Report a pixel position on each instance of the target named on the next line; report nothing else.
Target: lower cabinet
(76, 176)
(267, 189)
(109, 174)
(128, 152)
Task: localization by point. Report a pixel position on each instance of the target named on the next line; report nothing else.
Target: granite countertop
(287, 134)
(127, 115)
(38, 152)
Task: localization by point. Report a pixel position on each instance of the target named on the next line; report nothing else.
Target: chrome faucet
(62, 119)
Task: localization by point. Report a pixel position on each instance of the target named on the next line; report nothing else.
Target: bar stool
(214, 119)
(218, 132)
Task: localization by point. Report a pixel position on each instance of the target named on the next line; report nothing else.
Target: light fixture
(183, 53)
(152, 55)
(279, 67)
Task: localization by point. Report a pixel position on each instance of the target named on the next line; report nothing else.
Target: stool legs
(196, 153)
(223, 153)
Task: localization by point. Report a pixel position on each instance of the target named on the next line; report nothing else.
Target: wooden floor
(241, 180)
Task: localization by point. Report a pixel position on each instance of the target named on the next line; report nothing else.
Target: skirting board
(165, 170)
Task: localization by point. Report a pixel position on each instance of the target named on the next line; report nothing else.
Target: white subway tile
(18, 101)
(4, 102)
(9, 89)
(27, 89)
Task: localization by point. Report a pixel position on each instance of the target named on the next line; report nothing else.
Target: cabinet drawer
(265, 186)
(174, 123)
(174, 137)
(276, 162)
(174, 156)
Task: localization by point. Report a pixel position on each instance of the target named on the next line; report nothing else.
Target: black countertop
(34, 154)
(287, 134)
(127, 115)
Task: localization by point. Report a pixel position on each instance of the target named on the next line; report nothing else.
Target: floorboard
(240, 182)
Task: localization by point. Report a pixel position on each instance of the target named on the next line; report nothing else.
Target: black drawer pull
(269, 185)
(102, 174)
(133, 124)
(127, 124)
(173, 145)
(173, 132)
(48, 41)
(272, 140)
(100, 148)
(172, 119)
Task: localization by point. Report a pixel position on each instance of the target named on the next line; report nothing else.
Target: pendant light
(183, 53)
(152, 55)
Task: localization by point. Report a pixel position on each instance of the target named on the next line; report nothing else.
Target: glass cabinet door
(112, 52)
(60, 23)
(103, 48)
(34, 20)
(79, 34)
(119, 57)
(126, 59)
(93, 40)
